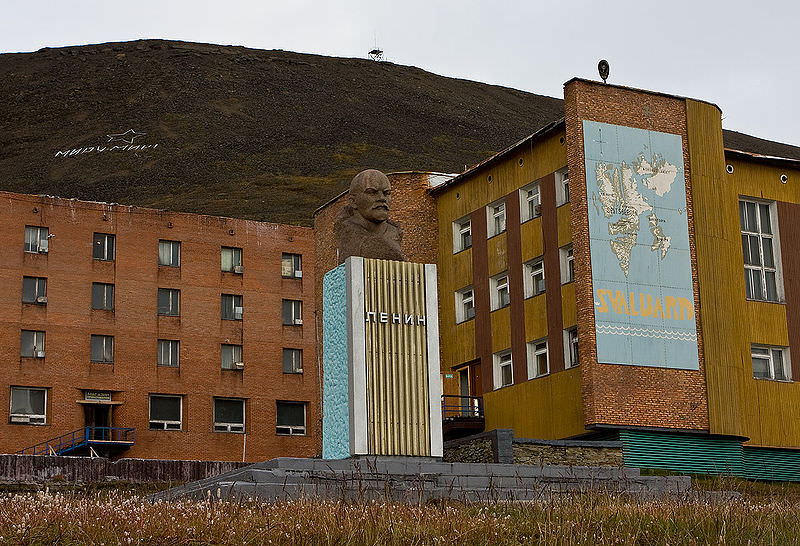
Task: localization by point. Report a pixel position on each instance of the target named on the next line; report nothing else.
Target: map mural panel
(639, 243)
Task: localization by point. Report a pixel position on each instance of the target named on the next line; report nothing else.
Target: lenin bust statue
(362, 227)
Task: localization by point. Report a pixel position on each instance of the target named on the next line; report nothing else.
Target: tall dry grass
(118, 518)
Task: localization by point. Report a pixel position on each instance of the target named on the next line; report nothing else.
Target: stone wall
(500, 446)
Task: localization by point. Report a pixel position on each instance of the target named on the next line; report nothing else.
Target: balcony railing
(456, 406)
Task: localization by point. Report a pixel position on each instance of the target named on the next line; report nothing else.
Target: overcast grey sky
(743, 56)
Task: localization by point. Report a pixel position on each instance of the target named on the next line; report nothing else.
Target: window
(562, 187)
(28, 405)
(534, 277)
(291, 265)
(291, 418)
(537, 359)
(102, 296)
(771, 362)
(32, 344)
(168, 352)
(34, 290)
(292, 312)
(36, 239)
(231, 357)
(571, 347)
(530, 202)
(499, 291)
(102, 349)
(761, 272)
(503, 369)
(462, 234)
(232, 259)
(103, 247)
(166, 412)
(169, 253)
(567, 264)
(228, 415)
(465, 304)
(496, 219)
(292, 361)
(169, 302)
(231, 307)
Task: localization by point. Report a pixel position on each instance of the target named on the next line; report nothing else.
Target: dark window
(103, 296)
(169, 302)
(168, 351)
(291, 418)
(231, 357)
(231, 307)
(34, 290)
(36, 239)
(292, 361)
(169, 253)
(32, 344)
(103, 248)
(102, 349)
(291, 265)
(232, 259)
(28, 405)
(292, 312)
(228, 415)
(165, 412)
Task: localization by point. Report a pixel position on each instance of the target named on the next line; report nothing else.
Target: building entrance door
(98, 416)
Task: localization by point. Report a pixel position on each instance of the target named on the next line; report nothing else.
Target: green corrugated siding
(761, 463)
(682, 452)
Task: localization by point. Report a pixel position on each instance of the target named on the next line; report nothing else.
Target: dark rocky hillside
(267, 135)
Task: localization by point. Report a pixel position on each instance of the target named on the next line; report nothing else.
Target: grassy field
(763, 515)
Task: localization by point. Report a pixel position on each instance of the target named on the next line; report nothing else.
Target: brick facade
(616, 394)
(69, 320)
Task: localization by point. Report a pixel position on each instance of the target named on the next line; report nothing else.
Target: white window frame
(167, 255)
(562, 187)
(234, 254)
(39, 290)
(107, 340)
(172, 360)
(167, 424)
(37, 239)
(771, 364)
(567, 264)
(465, 301)
(462, 229)
(107, 243)
(296, 314)
(762, 269)
(291, 265)
(531, 269)
(535, 349)
(291, 430)
(174, 303)
(530, 201)
(501, 360)
(37, 348)
(231, 307)
(296, 360)
(26, 418)
(571, 353)
(496, 218)
(221, 426)
(497, 285)
(107, 306)
(236, 356)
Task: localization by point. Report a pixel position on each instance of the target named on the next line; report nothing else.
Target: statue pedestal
(381, 382)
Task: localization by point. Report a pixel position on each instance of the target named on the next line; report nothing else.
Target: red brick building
(195, 331)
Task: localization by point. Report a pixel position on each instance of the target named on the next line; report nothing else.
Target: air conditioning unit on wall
(298, 274)
(39, 354)
(238, 269)
(41, 299)
(238, 365)
(298, 321)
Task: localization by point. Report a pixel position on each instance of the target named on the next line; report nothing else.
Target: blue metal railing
(461, 406)
(80, 438)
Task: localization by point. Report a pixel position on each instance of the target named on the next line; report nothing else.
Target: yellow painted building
(518, 320)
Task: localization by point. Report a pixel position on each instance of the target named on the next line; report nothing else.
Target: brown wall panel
(552, 274)
(789, 216)
(515, 286)
(480, 283)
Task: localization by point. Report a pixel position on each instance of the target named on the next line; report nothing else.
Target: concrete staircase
(414, 479)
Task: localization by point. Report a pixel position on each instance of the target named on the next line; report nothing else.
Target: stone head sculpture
(363, 228)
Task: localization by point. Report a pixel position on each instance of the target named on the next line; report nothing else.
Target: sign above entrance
(99, 396)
